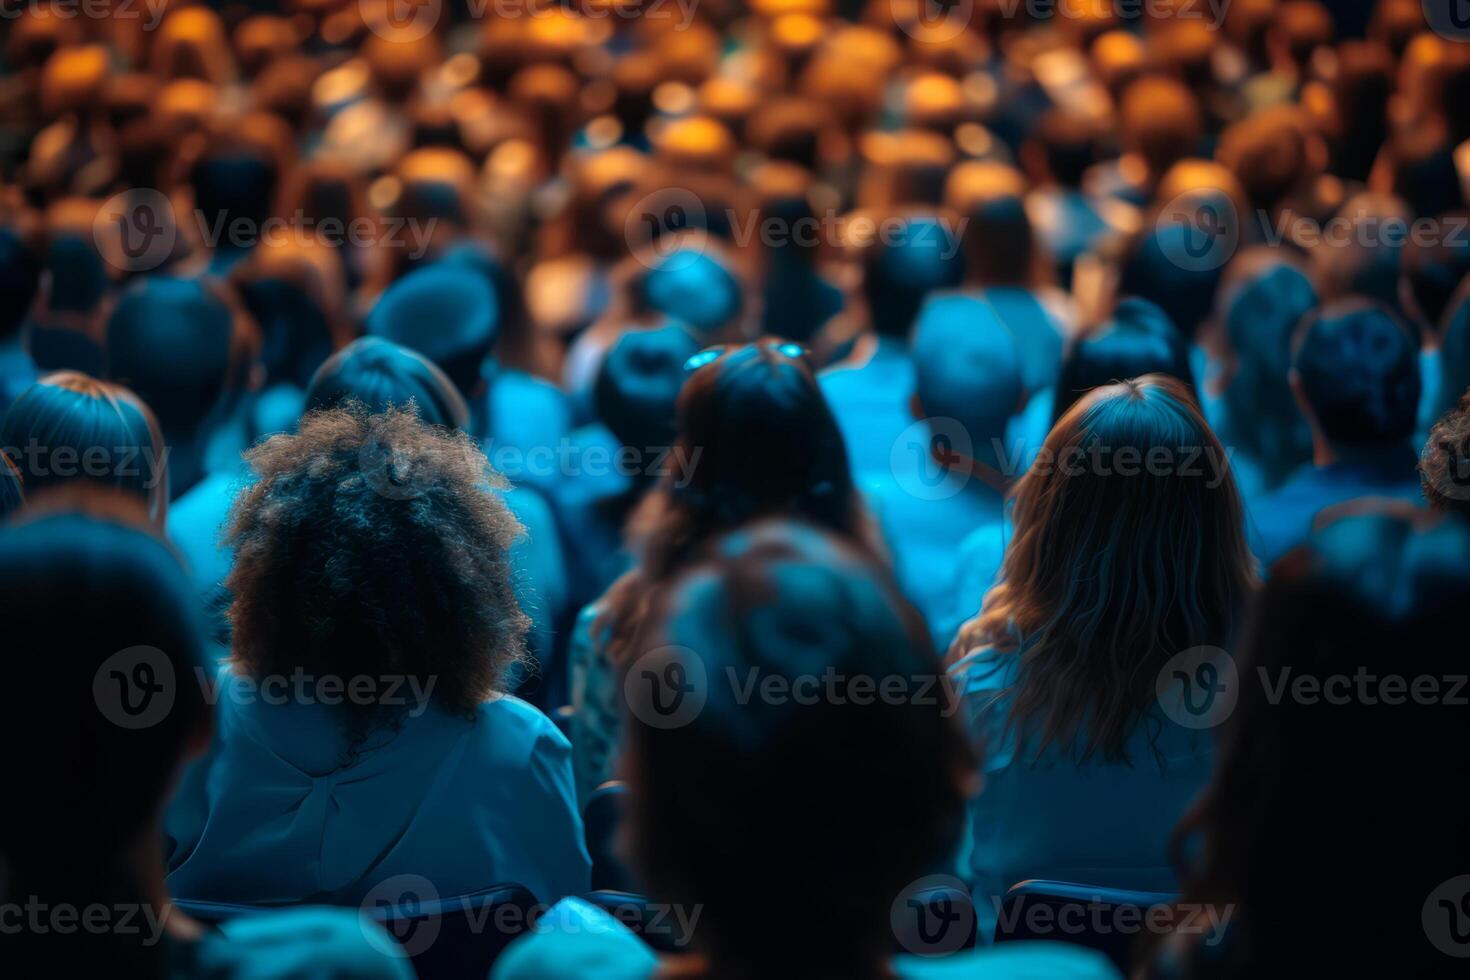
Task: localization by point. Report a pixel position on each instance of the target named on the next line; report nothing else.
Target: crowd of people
(886, 442)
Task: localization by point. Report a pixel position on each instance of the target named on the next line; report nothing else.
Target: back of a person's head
(380, 375)
(1129, 548)
(900, 270)
(1433, 270)
(69, 427)
(20, 278)
(695, 285)
(1299, 28)
(1068, 141)
(1158, 262)
(1360, 622)
(375, 544)
(295, 293)
(174, 342)
(1137, 339)
(1357, 368)
(445, 311)
(1160, 120)
(761, 441)
(1272, 152)
(784, 604)
(1263, 297)
(638, 385)
(234, 187)
(967, 368)
(1367, 263)
(104, 640)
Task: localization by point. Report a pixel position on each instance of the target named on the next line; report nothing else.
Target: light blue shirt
(1046, 815)
(275, 814)
(871, 401)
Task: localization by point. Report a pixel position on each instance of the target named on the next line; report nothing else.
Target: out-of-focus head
(1066, 146)
(696, 285)
(1377, 596)
(445, 311)
(375, 544)
(967, 368)
(296, 294)
(1263, 296)
(1137, 339)
(1368, 262)
(104, 639)
(781, 600)
(1159, 119)
(1298, 30)
(179, 345)
(1356, 368)
(1274, 153)
(1432, 272)
(638, 385)
(904, 261)
(380, 375)
(191, 43)
(69, 428)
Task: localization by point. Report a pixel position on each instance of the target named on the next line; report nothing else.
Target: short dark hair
(20, 278)
(375, 544)
(1138, 339)
(1358, 366)
(1069, 141)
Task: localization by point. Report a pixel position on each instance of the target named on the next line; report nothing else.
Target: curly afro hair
(1444, 466)
(375, 545)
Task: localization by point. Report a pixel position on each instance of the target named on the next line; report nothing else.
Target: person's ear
(916, 407)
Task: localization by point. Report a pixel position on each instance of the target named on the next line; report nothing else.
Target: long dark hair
(756, 439)
(1115, 567)
(1322, 800)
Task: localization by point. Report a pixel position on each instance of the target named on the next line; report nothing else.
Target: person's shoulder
(1010, 961)
(576, 939)
(317, 943)
(517, 720)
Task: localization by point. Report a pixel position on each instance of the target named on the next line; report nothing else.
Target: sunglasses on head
(711, 354)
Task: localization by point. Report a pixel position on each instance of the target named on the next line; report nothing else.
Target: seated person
(68, 427)
(767, 445)
(1355, 372)
(1249, 402)
(378, 374)
(950, 472)
(1129, 550)
(620, 458)
(363, 728)
(448, 312)
(185, 350)
(786, 604)
(93, 840)
(1371, 596)
(870, 391)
